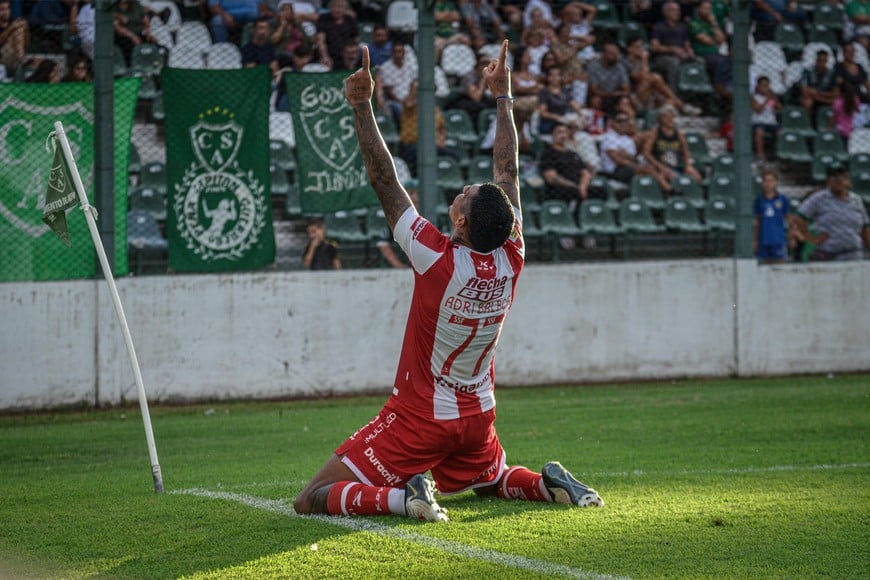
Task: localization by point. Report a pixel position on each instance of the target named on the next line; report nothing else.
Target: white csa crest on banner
(220, 208)
(22, 149)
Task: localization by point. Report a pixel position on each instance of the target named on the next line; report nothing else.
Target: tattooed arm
(379, 163)
(505, 150)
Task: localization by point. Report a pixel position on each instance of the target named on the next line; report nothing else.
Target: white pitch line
(294, 483)
(364, 525)
(731, 471)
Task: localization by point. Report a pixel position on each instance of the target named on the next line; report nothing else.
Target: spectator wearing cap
(839, 219)
(386, 245)
(619, 154)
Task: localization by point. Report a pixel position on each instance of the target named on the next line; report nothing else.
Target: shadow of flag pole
(116, 300)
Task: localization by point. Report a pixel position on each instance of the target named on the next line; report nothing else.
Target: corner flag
(61, 195)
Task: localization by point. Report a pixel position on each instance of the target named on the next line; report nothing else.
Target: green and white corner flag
(61, 194)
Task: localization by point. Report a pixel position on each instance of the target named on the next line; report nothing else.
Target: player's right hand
(497, 74)
(359, 87)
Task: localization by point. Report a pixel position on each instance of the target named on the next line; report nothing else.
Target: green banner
(331, 173)
(217, 150)
(28, 111)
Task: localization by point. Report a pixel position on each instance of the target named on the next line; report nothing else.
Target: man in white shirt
(394, 80)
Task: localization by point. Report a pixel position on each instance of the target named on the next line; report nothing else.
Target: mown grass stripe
(365, 525)
(731, 471)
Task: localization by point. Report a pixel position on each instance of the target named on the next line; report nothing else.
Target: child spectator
(765, 106)
(770, 231)
(320, 253)
(79, 70)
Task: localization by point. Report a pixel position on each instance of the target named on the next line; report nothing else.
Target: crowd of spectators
(579, 76)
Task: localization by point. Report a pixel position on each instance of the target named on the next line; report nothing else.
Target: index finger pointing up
(365, 58)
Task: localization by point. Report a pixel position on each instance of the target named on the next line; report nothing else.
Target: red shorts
(397, 444)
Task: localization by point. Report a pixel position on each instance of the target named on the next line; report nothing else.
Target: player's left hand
(497, 74)
(359, 87)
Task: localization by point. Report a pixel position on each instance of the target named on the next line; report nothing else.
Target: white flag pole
(116, 300)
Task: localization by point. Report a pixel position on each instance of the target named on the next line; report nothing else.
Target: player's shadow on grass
(468, 507)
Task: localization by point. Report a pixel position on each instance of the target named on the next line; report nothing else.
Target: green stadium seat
(721, 185)
(648, 190)
(723, 164)
(153, 175)
(829, 15)
(795, 118)
(450, 179)
(635, 217)
(597, 219)
(293, 200)
(144, 237)
(821, 161)
(459, 126)
(689, 189)
(692, 78)
(830, 142)
(681, 216)
(698, 150)
(557, 222)
(720, 214)
(148, 199)
(147, 59)
(279, 180)
(859, 162)
(792, 146)
(281, 154)
(344, 226)
(790, 37)
(389, 131)
(824, 114)
(606, 16)
(480, 169)
(824, 34)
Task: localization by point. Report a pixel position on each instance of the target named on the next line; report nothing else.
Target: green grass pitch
(702, 479)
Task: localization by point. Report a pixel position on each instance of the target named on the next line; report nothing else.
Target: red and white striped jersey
(459, 304)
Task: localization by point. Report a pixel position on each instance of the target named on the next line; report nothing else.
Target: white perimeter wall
(317, 333)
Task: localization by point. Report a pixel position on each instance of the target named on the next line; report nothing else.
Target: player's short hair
(491, 218)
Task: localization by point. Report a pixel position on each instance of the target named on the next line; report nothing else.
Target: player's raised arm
(358, 89)
(505, 151)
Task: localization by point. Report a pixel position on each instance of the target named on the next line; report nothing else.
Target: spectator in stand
(259, 49)
(847, 111)
(408, 133)
(565, 175)
(319, 253)
(482, 22)
(381, 47)
(448, 22)
(666, 149)
(525, 88)
(473, 96)
(350, 58)
(578, 17)
(49, 12)
(707, 37)
(765, 107)
(132, 25)
(768, 14)
(535, 42)
(231, 16)
(14, 38)
(849, 71)
(394, 80)
(619, 154)
(642, 11)
(82, 20)
(650, 91)
(818, 84)
(556, 106)
(567, 53)
(386, 244)
(288, 34)
(857, 27)
(608, 78)
(335, 30)
(670, 44)
(839, 217)
(543, 6)
(770, 227)
(79, 70)
(47, 71)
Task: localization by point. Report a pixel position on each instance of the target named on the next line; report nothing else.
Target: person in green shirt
(707, 37)
(858, 22)
(448, 23)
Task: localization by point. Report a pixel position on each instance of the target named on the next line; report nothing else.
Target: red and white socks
(521, 483)
(350, 498)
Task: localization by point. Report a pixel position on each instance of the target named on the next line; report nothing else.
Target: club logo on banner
(332, 175)
(220, 208)
(22, 147)
(28, 112)
(217, 169)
